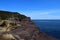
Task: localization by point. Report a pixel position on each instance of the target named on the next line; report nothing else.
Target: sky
(36, 9)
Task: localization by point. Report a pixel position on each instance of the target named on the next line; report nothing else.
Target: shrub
(4, 24)
(13, 24)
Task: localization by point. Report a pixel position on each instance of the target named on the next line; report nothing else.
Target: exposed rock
(27, 31)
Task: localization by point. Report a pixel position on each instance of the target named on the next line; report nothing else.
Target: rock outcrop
(27, 31)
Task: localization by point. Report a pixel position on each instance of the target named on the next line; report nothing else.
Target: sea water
(50, 27)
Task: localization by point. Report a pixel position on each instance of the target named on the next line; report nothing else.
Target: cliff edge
(19, 27)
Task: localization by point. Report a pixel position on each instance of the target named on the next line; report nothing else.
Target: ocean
(50, 27)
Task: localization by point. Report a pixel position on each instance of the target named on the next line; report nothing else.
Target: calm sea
(50, 27)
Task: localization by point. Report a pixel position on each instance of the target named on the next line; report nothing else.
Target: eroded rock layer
(20, 27)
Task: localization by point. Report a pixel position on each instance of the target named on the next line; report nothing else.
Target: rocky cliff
(27, 31)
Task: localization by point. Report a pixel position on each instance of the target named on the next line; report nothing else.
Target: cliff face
(27, 31)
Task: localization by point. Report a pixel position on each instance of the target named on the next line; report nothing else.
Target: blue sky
(36, 9)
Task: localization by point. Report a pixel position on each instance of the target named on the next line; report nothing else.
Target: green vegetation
(13, 24)
(4, 24)
(6, 15)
